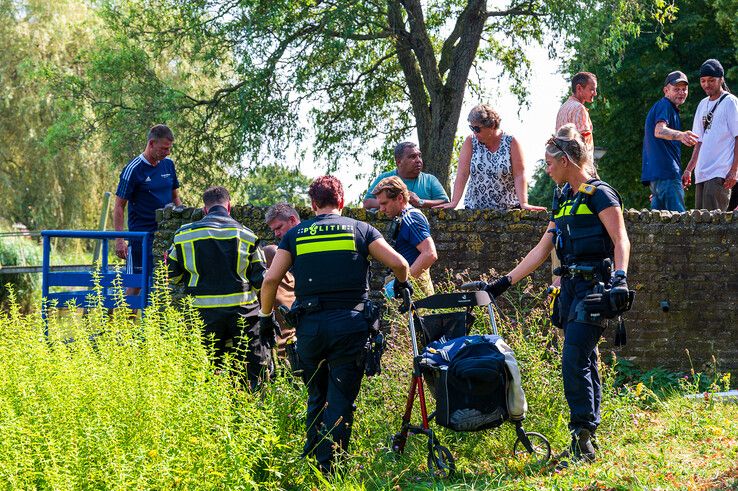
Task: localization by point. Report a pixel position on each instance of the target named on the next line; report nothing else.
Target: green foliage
(43, 183)
(241, 81)
(272, 183)
(118, 402)
(541, 192)
(691, 32)
(24, 288)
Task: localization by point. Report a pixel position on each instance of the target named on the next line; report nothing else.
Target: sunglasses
(475, 129)
(553, 142)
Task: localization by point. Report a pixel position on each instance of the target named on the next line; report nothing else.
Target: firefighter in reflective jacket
(329, 259)
(221, 267)
(588, 232)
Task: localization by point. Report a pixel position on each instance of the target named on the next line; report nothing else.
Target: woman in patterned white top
(492, 162)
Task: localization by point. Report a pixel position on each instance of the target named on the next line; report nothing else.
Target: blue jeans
(667, 194)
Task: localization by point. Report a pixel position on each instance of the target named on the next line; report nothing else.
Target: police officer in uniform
(328, 256)
(221, 266)
(588, 233)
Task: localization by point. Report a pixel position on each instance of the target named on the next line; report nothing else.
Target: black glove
(597, 303)
(619, 294)
(268, 329)
(498, 287)
(401, 286)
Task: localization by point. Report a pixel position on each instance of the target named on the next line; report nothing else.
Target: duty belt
(315, 304)
(589, 271)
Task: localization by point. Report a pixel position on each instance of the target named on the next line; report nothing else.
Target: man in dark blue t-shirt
(413, 238)
(662, 151)
(148, 182)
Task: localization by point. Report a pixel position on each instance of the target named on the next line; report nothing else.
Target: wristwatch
(620, 274)
(421, 202)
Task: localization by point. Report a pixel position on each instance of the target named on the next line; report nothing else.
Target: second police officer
(329, 257)
(588, 232)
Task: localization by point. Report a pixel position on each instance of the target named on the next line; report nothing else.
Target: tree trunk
(436, 102)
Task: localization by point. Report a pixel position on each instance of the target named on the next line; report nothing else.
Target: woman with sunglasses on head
(588, 232)
(492, 162)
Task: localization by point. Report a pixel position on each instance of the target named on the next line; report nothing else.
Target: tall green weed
(116, 401)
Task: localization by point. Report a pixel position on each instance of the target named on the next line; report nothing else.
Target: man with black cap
(714, 160)
(662, 146)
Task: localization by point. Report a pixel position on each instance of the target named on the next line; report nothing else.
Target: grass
(135, 404)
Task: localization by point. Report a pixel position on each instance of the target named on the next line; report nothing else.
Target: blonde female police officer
(588, 232)
(329, 259)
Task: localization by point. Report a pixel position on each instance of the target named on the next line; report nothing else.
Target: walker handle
(474, 285)
(406, 300)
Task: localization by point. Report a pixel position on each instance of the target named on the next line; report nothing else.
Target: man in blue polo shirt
(148, 182)
(412, 237)
(662, 151)
(425, 190)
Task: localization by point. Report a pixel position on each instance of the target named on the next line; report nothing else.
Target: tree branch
(422, 46)
(528, 10)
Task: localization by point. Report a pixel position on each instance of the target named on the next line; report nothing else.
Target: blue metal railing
(85, 278)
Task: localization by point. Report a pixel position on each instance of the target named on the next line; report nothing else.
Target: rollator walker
(475, 379)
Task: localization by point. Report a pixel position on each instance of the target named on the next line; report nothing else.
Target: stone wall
(685, 259)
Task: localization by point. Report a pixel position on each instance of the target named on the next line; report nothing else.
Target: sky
(531, 127)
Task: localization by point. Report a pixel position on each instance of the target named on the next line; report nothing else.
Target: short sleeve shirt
(661, 158)
(426, 186)
(605, 197)
(718, 142)
(414, 229)
(573, 111)
(146, 188)
(330, 257)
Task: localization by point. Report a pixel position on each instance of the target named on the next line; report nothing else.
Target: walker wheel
(440, 461)
(541, 448)
(396, 443)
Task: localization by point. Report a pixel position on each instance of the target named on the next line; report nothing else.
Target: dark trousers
(232, 332)
(733, 198)
(330, 344)
(582, 387)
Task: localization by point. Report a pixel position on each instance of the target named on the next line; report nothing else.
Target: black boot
(582, 449)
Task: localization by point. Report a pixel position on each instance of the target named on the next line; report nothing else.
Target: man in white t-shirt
(714, 160)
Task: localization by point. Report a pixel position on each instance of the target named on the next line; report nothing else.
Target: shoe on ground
(580, 451)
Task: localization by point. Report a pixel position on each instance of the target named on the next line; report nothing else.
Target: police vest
(218, 261)
(330, 259)
(579, 235)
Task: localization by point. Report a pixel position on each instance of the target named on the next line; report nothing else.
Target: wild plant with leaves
(113, 401)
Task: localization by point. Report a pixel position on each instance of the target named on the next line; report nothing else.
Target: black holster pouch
(375, 343)
(373, 351)
(290, 351)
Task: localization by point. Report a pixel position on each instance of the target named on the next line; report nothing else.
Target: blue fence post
(45, 280)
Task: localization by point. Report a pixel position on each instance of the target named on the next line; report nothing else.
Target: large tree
(41, 183)
(351, 71)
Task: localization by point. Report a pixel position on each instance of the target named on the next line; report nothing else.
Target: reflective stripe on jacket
(218, 260)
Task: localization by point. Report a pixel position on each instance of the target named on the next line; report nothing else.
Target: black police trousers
(232, 332)
(582, 387)
(330, 344)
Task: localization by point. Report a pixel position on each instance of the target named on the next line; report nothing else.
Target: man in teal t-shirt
(425, 189)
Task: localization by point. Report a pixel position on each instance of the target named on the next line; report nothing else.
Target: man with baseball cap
(714, 160)
(662, 145)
